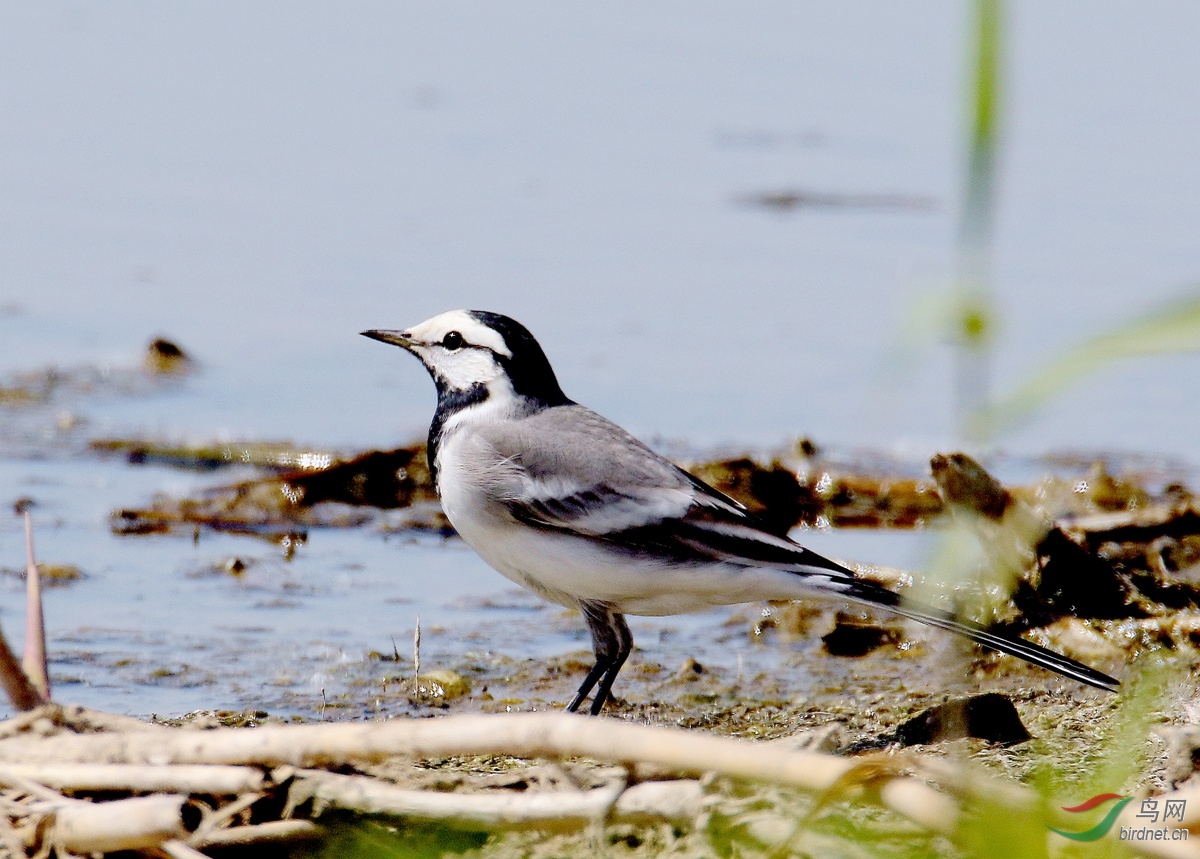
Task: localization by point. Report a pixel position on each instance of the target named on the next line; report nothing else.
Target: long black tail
(871, 594)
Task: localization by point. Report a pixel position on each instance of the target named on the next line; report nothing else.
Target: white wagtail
(569, 505)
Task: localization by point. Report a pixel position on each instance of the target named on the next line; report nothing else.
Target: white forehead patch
(473, 332)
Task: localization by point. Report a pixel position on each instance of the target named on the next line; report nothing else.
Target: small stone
(853, 636)
(163, 356)
(442, 685)
(990, 717)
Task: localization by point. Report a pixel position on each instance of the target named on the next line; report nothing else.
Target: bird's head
(476, 351)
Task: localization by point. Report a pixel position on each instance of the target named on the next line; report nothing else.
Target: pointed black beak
(395, 338)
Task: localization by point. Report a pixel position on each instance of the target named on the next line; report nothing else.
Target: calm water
(260, 183)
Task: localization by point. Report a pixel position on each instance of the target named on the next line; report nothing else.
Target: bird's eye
(452, 340)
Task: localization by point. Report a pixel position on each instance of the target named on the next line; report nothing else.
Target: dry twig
(33, 658)
(262, 833)
(140, 778)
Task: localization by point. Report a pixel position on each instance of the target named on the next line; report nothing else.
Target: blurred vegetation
(965, 314)
(972, 314)
(1172, 328)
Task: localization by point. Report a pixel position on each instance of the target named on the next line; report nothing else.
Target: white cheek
(468, 367)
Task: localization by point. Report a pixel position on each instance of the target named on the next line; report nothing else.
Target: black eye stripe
(452, 340)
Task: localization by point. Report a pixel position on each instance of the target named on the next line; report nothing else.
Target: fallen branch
(176, 849)
(124, 824)
(140, 778)
(680, 800)
(220, 817)
(525, 735)
(78, 826)
(272, 831)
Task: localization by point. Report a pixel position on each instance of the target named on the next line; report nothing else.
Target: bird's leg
(624, 647)
(611, 642)
(604, 645)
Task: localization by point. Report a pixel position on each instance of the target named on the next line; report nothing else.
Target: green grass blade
(1172, 329)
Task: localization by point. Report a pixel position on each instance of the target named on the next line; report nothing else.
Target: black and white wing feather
(588, 477)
